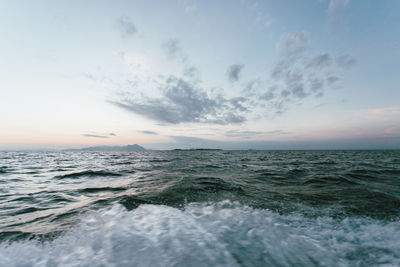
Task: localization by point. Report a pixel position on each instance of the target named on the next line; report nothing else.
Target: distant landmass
(197, 149)
(134, 147)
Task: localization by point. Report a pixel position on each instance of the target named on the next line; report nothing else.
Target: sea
(200, 208)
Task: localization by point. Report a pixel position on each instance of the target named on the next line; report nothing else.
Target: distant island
(134, 147)
(197, 149)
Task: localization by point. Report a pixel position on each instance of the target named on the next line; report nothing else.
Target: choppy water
(200, 208)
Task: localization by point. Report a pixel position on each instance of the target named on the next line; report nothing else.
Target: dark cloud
(173, 49)
(316, 85)
(345, 62)
(285, 93)
(126, 27)
(183, 102)
(148, 132)
(112, 134)
(95, 136)
(332, 79)
(320, 61)
(294, 83)
(234, 72)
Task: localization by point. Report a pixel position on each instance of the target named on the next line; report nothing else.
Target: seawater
(200, 208)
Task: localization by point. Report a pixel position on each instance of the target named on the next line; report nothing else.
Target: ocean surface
(200, 208)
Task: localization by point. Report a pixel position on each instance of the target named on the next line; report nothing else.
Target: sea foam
(211, 234)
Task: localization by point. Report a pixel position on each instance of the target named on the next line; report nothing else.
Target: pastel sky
(233, 74)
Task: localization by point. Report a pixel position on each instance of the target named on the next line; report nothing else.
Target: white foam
(219, 234)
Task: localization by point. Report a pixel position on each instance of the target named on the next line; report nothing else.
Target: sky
(232, 74)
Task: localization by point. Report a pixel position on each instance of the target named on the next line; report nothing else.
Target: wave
(158, 160)
(3, 169)
(329, 181)
(186, 190)
(219, 234)
(24, 211)
(100, 189)
(88, 173)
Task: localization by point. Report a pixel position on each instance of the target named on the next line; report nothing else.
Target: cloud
(345, 62)
(269, 95)
(320, 61)
(295, 84)
(335, 8)
(292, 44)
(332, 79)
(148, 132)
(298, 73)
(183, 102)
(190, 72)
(316, 85)
(393, 131)
(234, 72)
(126, 27)
(95, 136)
(173, 49)
(248, 134)
(101, 135)
(291, 48)
(388, 114)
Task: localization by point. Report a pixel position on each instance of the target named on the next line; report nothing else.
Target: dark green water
(200, 208)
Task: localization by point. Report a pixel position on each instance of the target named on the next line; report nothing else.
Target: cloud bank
(298, 73)
(184, 102)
